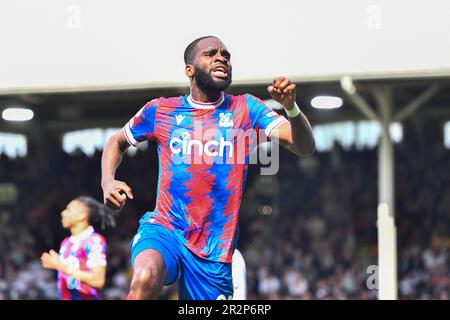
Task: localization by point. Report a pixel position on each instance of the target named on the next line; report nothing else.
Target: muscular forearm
(302, 135)
(114, 192)
(111, 158)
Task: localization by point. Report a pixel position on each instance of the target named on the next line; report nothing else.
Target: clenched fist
(115, 193)
(51, 260)
(283, 91)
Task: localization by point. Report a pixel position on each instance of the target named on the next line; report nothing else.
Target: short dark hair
(189, 52)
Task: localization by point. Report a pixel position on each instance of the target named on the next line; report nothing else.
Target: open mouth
(220, 71)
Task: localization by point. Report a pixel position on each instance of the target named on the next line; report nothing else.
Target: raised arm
(114, 192)
(297, 135)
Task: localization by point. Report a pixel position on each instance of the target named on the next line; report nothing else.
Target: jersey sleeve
(262, 116)
(142, 126)
(96, 252)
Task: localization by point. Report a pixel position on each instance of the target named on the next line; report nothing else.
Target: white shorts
(239, 276)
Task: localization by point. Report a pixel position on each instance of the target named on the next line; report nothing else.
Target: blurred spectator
(315, 238)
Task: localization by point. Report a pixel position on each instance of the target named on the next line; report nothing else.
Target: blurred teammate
(191, 234)
(81, 262)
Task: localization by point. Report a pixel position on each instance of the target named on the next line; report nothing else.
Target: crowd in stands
(308, 232)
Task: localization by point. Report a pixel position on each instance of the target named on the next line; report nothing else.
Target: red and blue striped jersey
(81, 252)
(204, 152)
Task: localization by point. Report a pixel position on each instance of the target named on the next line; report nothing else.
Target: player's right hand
(115, 194)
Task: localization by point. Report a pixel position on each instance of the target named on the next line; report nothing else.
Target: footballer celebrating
(191, 234)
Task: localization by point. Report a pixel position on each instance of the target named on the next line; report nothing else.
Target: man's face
(74, 213)
(212, 66)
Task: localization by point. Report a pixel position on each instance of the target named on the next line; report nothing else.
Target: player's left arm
(295, 135)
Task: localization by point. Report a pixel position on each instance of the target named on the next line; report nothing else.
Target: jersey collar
(207, 105)
(86, 233)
